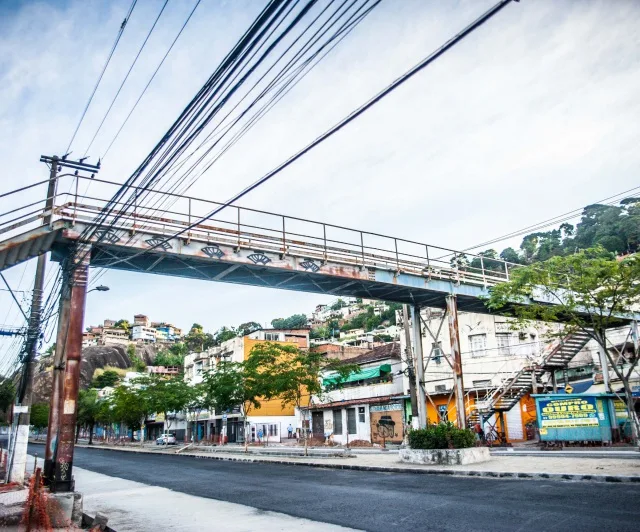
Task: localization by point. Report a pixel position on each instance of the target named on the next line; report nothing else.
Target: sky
(533, 115)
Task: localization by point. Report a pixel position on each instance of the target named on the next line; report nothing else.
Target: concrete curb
(617, 455)
(565, 477)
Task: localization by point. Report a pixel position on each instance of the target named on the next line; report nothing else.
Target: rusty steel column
(454, 336)
(53, 427)
(72, 334)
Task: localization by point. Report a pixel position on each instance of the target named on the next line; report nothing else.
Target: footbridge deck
(241, 245)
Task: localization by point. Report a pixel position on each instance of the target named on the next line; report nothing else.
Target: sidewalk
(136, 507)
(531, 467)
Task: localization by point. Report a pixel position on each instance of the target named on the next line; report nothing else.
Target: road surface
(381, 501)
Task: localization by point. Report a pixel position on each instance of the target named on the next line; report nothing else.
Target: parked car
(166, 439)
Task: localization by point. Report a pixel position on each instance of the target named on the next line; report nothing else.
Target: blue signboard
(571, 412)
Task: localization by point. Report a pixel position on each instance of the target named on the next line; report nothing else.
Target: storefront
(379, 420)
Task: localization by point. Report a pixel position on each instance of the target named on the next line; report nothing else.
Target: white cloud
(536, 113)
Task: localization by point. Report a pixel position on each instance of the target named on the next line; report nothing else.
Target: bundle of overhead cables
(284, 43)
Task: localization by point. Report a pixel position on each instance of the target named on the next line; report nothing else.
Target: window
(273, 430)
(271, 337)
(504, 343)
(441, 387)
(361, 414)
(436, 354)
(337, 421)
(478, 344)
(351, 421)
(485, 383)
(198, 368)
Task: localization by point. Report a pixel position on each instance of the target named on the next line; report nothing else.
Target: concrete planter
(471, 455)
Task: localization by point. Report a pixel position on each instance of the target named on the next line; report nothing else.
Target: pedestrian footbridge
(239, 245)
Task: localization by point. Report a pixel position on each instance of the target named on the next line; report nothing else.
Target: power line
(104, 68)
(193, 119)
(14, 297)
(299, 72)
(337, 127)
(551, 221)
(135, 60)
(290, 80)
(151, 79)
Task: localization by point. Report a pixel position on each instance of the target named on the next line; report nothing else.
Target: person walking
(259, 435)
(289, 431)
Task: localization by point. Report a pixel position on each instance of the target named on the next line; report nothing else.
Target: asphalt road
(382, 501)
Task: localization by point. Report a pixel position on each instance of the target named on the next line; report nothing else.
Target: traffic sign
(568, 388)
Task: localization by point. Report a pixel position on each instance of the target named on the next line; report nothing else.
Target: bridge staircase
(520, 382)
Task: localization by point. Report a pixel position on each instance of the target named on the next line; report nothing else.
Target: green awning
(365, 374)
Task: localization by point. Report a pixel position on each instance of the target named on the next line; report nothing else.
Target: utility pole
(70, 313)
(411, 369)
(454, 336)
(23, 402)
(419, 361)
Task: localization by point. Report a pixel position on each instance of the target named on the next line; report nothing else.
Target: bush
(442, 436)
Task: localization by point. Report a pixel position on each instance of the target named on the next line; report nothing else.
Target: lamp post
(99, 288)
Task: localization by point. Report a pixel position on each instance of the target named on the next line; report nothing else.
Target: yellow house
(441, 407)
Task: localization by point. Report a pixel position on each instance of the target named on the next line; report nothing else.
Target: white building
(368, 406)
(492, 352)
(89, 339)
(114, 337)
(141, 333)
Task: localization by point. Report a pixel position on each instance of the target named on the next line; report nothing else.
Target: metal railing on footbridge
(164, 214)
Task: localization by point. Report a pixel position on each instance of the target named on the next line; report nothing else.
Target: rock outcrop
(93, 358)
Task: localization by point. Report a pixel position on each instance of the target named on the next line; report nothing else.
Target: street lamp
(100, 288)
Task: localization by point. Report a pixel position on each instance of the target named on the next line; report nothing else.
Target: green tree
(88, 410)
(123, 324)
(106, 378)
(39, 416)
(248, 327)
(165, 396)
(510, 255)
(291, 374)
(390, 314)
(297, 321)
(590, 291)
(197, 340)
(197, 402)
(167, 358)
(136, 362)
(131, 407)
(233, 384)
(7, 394)
(223, 334)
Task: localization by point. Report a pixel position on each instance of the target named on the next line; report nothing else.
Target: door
(317, 424)
(514, 424)
(386, 426)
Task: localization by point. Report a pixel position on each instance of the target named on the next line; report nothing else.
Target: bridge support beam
(57, 380)
(454, 335)
(70, 337)
(419, 362)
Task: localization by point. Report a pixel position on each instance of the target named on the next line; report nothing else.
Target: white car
(166, 439)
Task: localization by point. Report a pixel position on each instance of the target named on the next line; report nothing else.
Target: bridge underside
(250, 263)
(301, 281)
